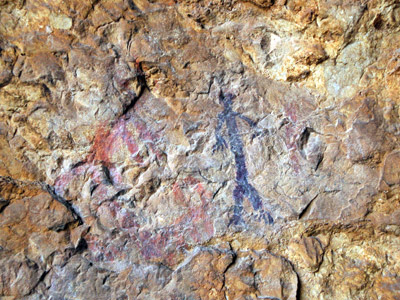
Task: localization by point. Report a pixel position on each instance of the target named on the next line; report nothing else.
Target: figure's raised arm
(252, 124)
(248, 120)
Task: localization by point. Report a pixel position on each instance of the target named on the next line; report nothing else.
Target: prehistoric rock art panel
(108, 198)
(243, 188)
(114, 182)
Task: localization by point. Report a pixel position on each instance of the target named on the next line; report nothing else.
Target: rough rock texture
(199, 149)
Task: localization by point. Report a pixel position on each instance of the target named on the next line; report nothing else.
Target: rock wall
(219, 149)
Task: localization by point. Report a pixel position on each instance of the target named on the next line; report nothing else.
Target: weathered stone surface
(260, 276)
(32, 232)
(199, 149)
(308, 251)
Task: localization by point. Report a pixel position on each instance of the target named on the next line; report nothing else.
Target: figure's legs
(238, 194)
(252, 195)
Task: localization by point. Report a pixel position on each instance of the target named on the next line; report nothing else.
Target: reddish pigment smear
(106, 144)
(292, 134)
(291, 112)
(195, 224)
(162, 244)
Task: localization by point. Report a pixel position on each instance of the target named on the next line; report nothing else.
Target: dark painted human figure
(243, 187)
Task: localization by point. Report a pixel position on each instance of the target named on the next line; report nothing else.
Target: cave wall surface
(219, 149)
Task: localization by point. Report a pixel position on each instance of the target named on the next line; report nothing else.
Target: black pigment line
(133, 6)
(141, 78)
(243, 187)
(64, 202)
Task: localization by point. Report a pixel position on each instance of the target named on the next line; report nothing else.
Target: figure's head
(226, 99)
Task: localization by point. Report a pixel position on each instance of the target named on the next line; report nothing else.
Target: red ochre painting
(107, 182)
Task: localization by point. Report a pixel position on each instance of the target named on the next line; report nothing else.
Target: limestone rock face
(199, 149)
